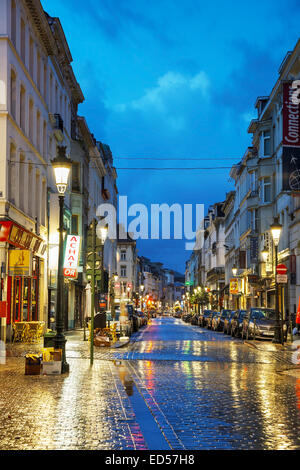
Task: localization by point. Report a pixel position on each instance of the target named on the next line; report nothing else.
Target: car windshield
(226, 313)
(109, 316)
(243, 313)
(261, 313)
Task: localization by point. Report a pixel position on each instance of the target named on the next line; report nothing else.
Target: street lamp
(276, 228)
(62, 166)
(265, 254)
(234, 270)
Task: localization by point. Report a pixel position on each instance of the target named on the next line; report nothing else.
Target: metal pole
(93, 292)
(277, 333)
(59, 339)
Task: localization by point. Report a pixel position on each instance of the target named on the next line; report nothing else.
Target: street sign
(281, 269)
(281, 279)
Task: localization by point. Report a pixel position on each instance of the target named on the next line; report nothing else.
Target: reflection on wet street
(176, 386)
(215, 392)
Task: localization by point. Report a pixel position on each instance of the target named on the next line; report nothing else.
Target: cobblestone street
(176, 386)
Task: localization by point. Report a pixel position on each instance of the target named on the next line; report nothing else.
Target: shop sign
(103, 301)
(252, 278)
(291, 117)
(20, 262)
(281, 278)
(71, 256)
(253, 250)
(21, 238)
(234, 286)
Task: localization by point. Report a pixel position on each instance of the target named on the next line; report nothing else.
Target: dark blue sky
(174, 79)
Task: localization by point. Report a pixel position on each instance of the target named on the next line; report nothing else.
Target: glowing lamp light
(234, 270)
(103, 233)
(276, 228)
(62, 166)
(265, 254)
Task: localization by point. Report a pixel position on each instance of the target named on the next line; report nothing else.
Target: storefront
(24, 253)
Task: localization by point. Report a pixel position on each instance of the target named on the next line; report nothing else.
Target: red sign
(3, 309)
(70, 272)
(71, 256)
(291, 118)
(281, 269)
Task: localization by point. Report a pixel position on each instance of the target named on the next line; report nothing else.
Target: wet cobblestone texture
(200, 389)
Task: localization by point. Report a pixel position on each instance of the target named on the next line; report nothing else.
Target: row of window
(37, 66)
(27, 115)
(27, 188)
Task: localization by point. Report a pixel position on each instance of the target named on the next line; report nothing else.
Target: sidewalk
(76, 347)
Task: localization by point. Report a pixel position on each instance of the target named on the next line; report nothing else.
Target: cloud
(169, 99)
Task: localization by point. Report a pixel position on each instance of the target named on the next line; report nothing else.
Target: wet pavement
(176, 386)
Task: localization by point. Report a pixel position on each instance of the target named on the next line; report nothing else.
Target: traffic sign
(281, 269)
(281, 279)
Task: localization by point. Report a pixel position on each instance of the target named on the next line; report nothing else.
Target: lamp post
(114, 279)
(234, 273)
(265, 255)
(142, 287)
(62, 166)
(276, 228)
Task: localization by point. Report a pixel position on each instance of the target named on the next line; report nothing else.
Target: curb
(120, 344)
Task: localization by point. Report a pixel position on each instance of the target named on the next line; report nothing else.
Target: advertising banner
(71, 256)
(291, 117)
(291, 169)
(234, 286)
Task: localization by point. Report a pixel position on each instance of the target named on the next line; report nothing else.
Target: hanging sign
(234, 286)
(20, 262)
(71, 256)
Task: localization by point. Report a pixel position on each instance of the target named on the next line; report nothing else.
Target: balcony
(215, 273)
(253, 199)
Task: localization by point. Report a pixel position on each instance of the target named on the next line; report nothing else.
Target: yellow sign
(19, 263)
(234, 286)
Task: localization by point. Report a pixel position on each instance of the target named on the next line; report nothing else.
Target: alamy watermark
(160, 221)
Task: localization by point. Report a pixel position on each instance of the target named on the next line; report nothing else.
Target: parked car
(110, 322)
(195, 319)
(225, 313)
(209, 319)
(227, 323)
(215, 321)
(260, 323)
(187, 317)
(202, 317)
(237, 323)
(218, 320)
(142, 318)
